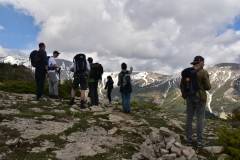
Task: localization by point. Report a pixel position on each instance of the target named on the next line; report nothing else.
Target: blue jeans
(194, 103)
(126, 97)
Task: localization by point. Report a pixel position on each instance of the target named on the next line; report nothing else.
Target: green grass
(51, 138)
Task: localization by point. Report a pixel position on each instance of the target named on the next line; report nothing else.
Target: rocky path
(53, 130)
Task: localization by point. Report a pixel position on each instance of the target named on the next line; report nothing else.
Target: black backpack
(96, 71)
(189, 84)
(126, 81)
(80, 63)
(35, 58)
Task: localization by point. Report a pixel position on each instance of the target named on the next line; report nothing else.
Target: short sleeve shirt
(51, 61)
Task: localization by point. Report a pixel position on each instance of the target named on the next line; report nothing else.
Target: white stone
(12, 141)
(49, 117)
(214, 149)
(176, 124)
(164, 151)
(34, 102)
(176, 150)
(169, 156)
(223, 157)
(170, 143)
(112, 131)
(114, 118)
(148, 151)
(96, 109)
(153, 137)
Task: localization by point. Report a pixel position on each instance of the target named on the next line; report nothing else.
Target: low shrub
(18, 86)
(230, 140)
(29, 87)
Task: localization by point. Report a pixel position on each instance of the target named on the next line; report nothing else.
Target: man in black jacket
(41, 71)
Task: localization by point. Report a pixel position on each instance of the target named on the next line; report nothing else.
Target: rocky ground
(53, 130)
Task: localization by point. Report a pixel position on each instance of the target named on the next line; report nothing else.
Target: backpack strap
(196, 70)
(123, 73)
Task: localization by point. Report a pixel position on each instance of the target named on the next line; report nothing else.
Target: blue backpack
(50, 67)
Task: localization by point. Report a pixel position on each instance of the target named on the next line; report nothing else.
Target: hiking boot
(190, 143)
(40, 99)
(203, 144)
(50, 96)
(71, 102)
(128, 112)
(57, 97)
(82, 106)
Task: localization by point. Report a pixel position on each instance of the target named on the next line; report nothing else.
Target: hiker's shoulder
(203, 71)
(120, 73)
(51, 58)
(42, 51)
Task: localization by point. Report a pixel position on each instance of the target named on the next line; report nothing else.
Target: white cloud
(3, 53)
(149, 35)
(1, 27)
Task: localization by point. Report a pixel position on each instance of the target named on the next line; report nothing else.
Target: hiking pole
(59, 71)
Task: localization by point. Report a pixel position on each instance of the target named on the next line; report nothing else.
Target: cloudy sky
(155, 35)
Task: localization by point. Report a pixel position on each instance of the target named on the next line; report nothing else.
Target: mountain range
(163, 90)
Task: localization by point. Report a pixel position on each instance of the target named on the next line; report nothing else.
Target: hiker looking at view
(124, 81)
(81, 68)
(96, 71)
(53, 80)
(194, 83)
(109, 87)
(40, 71)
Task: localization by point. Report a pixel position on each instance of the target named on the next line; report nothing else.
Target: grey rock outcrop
(164, 145)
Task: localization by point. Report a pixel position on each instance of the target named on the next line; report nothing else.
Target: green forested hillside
(14, 72)
(20, 79)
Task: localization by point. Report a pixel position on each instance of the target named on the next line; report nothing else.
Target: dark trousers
(109, 94)
(194, 103)
(93, 92)
(40, 75)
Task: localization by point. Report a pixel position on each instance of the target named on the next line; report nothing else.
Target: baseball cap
(196, 59)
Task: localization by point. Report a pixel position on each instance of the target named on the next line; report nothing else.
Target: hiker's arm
(106, 85)
(181, 84)
(46, 67)
(55, 66)
(131, 69)
(206, 81)
(119, 79)
(88, 70)
(72, 67)
(44, 56)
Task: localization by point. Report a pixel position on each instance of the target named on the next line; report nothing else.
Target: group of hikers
(86, 75)
(194, 83)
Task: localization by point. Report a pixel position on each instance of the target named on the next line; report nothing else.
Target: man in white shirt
(80, 78)
(53, 80)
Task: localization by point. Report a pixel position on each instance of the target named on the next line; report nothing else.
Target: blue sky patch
(19, 29)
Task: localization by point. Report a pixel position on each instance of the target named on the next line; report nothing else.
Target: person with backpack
(96, 71)
(124, 81)
(81, 69)
(39, 61)
(194, 83)
(53, 80)
(109, 87)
